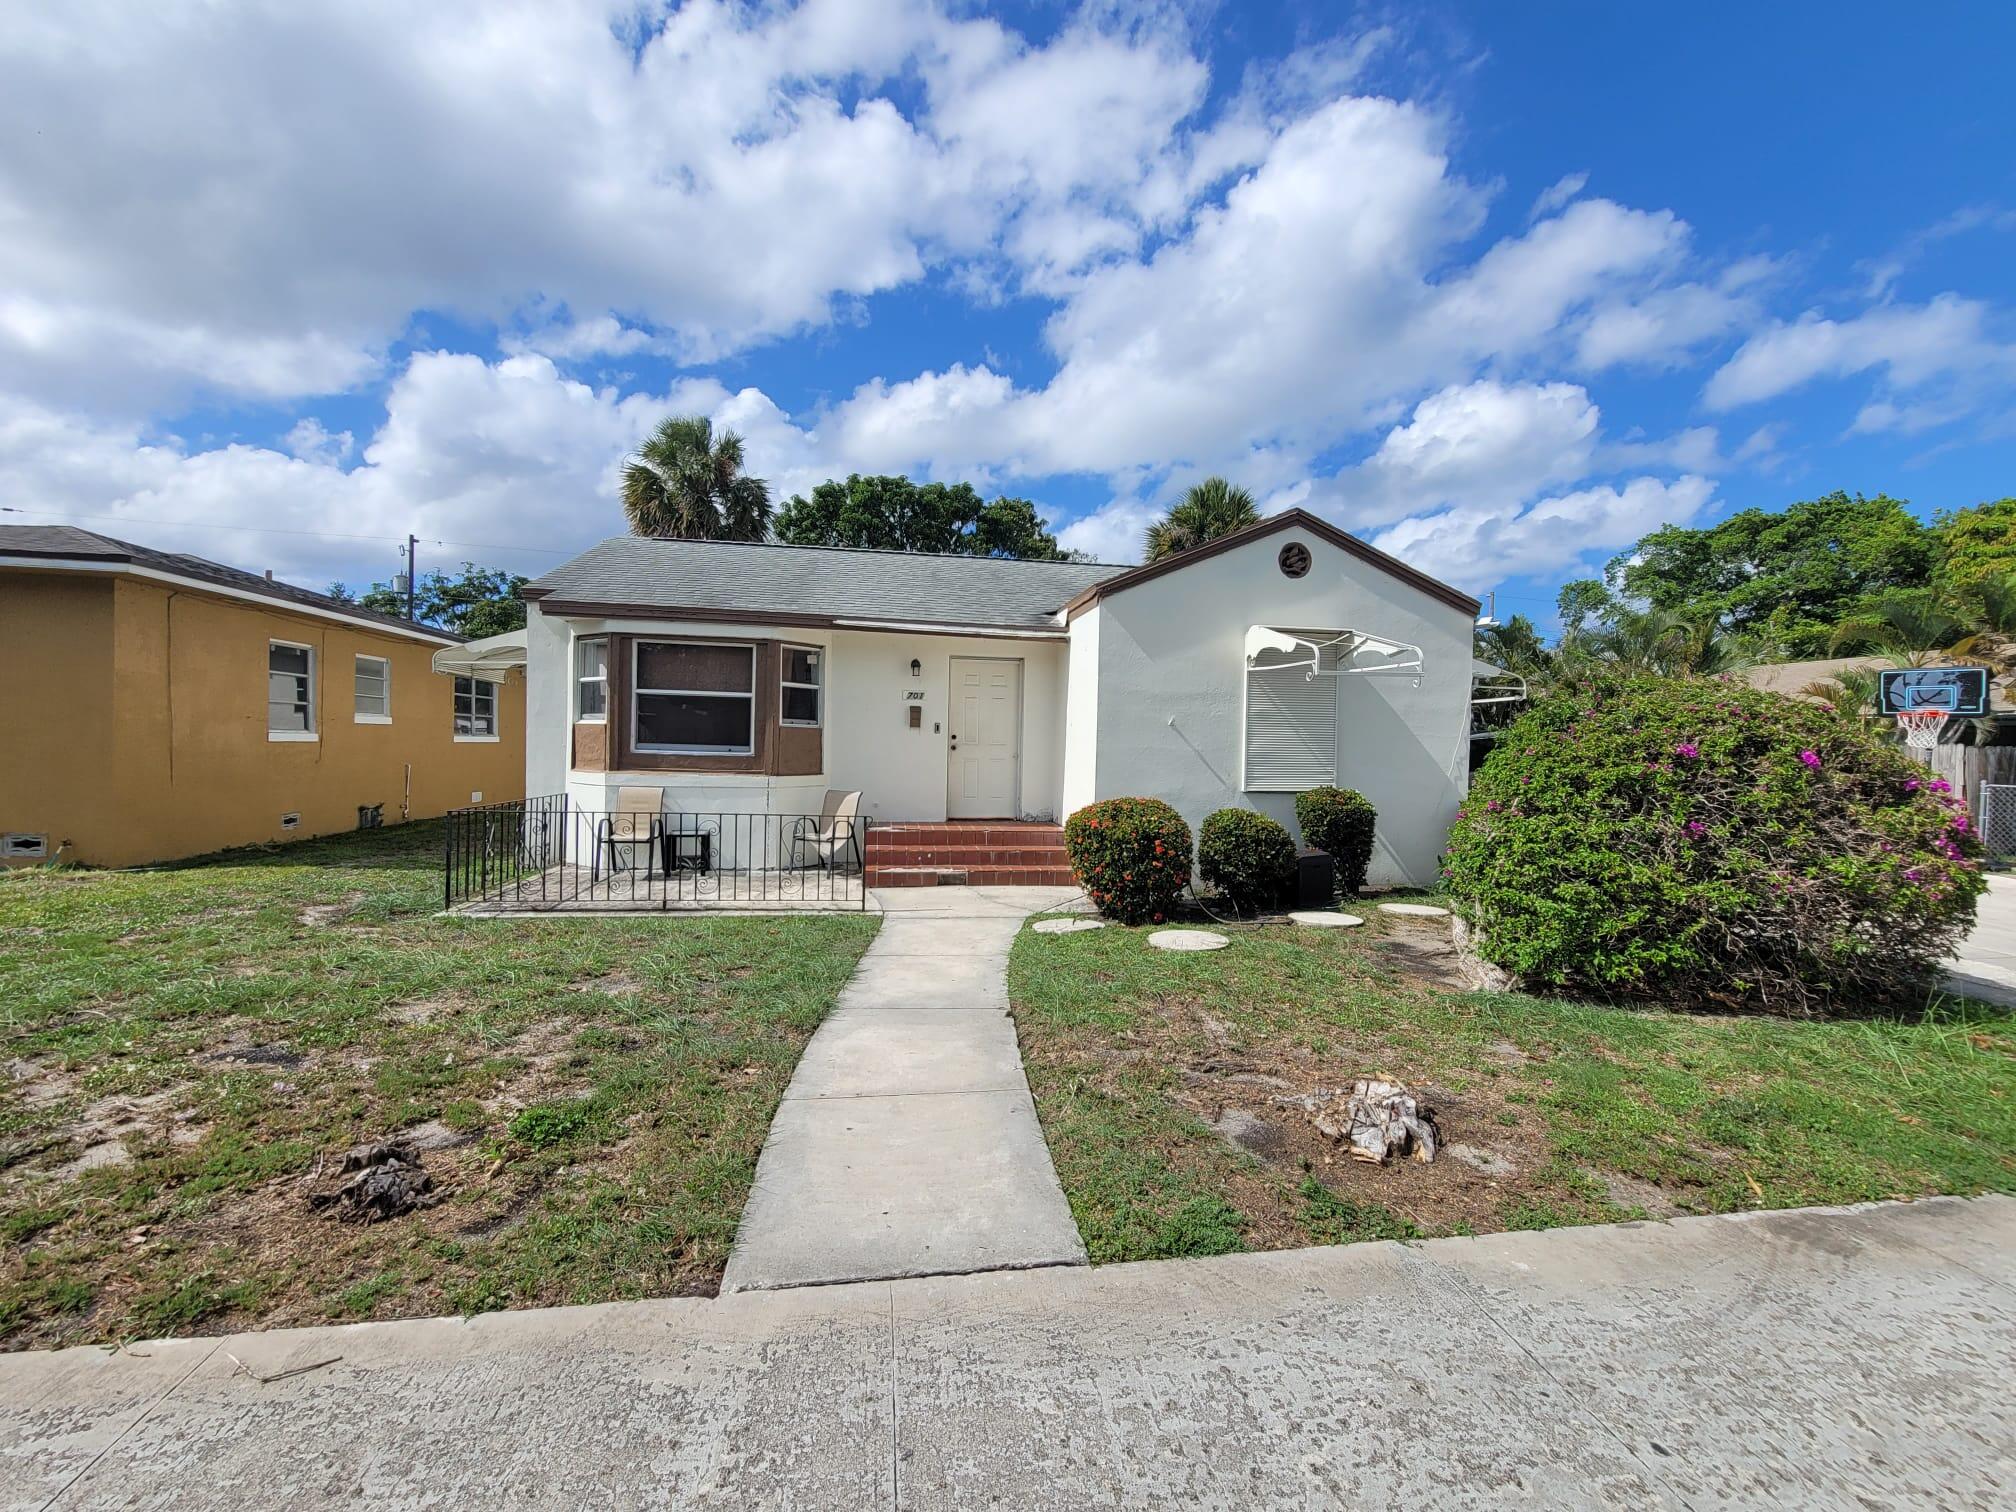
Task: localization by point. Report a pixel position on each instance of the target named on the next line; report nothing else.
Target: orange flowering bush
(1131, 855)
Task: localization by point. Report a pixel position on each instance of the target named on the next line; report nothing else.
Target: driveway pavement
(907, 1141)
(1847, 1357)
(1986, 963)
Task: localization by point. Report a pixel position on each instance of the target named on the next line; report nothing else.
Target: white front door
(985, 752)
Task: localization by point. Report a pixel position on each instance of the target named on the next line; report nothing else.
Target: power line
(320, 535)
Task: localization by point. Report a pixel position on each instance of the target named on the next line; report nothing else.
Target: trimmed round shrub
(1340, 821)
(1131, 855)
(1706, 844)
(1247, 857)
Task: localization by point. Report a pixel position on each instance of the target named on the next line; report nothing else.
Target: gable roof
(26, 545)
(825, 585)
(1455, 598)
(812, 585)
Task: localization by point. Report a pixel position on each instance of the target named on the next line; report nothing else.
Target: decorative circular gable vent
(1294, 559)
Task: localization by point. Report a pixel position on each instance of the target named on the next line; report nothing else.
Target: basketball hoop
(1921, 727)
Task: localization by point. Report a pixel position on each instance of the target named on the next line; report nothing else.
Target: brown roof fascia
(593, 610)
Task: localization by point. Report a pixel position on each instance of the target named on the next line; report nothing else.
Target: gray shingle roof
(70, 542)
(820, 582)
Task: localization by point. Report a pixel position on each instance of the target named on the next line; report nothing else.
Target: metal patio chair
(835, 832)
(638, 819)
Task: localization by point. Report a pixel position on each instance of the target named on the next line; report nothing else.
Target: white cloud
(1483, 545)
(254, 199)
(1912, 344)
(504, 454)
(310, 442)
(1563, 191)
(1478, 443)
(1660, 328)
(1255, 281)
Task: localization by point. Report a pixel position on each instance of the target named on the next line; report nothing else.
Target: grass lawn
(1576, 1113)
(183, 1045)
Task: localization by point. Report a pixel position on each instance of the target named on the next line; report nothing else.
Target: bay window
(693, 698)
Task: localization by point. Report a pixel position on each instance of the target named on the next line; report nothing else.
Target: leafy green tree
(895, 514)
(686, 482)
(1976, 545)
(1209, 510)
(1583, 603)
(476, 602)
(1786, 578)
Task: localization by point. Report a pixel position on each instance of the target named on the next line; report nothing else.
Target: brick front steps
(971, 853)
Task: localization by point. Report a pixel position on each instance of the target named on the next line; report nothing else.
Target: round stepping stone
(1415, 910)
(1187, 939)
(1316, 920)
(1066, 926)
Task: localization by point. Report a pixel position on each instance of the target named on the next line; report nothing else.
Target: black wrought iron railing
(550, 853)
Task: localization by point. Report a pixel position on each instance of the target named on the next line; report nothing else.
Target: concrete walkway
(907, 1141)
(1858, 1357)
(1986, 964)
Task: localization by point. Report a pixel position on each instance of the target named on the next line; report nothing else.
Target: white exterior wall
(549, 696)
(1171, 693)
(1081, 715)
(901, 772)
(866, 742)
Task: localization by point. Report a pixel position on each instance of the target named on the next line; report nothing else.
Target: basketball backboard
(1961, 691)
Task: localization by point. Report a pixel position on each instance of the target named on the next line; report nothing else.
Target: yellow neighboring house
(161, 705)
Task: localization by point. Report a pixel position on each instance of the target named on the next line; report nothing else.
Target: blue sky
(1497, 287)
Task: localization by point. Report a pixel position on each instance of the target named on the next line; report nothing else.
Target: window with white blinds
(1291, 729)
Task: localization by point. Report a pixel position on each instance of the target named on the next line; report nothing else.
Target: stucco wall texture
(139, 728)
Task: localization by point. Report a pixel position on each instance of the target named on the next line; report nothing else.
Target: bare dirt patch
(325, 914)
(103, 1133)
(612, 984)
(1249, 1090)
(546, 1048)
(427, 1010)
(1424, 950)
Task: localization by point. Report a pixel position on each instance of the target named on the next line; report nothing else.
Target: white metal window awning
(1332, 653)
(488, 660)
(1494, 685)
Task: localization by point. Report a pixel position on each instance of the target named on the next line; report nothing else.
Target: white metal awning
(1494, 685)
(490, 658)
(1332, 653)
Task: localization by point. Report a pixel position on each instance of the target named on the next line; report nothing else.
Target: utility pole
(412, 575)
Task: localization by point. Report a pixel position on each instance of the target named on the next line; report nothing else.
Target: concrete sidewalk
(1820, 1358)
(907, 1141)
(1985, 966)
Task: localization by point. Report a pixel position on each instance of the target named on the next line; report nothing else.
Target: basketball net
(1921, 727)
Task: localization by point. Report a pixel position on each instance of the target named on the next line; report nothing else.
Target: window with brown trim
(801, 690)
(693, 698)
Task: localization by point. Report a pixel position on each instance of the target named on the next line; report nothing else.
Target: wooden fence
(1967, 767)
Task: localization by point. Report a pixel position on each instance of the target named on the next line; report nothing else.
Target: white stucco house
(750, 679)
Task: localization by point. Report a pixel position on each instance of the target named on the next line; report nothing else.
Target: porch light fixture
(916, 667)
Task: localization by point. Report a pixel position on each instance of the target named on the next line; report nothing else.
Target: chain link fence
(1996, 815)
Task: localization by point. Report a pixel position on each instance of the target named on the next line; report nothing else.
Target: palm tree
(687, 482)
(1209, 510)
(1658, 641)
(1920, 626)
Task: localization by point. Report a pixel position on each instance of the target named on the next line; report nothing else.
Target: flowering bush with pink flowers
(1131, 855)
(1702, 843)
